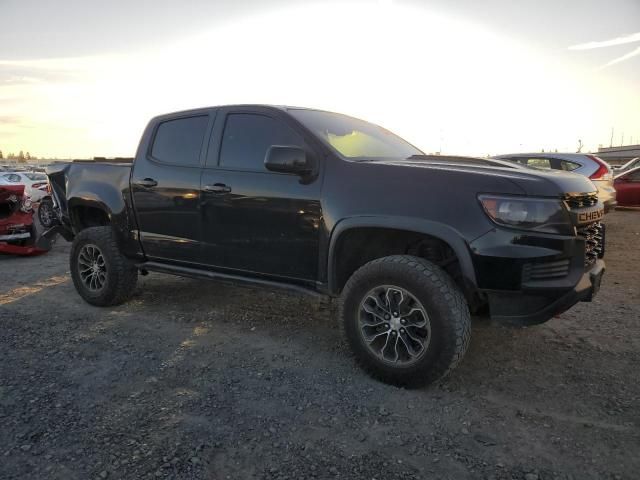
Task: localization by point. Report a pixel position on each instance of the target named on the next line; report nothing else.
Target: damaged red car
(17, 231)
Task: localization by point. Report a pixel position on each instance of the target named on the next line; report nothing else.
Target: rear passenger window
(35, 176)
(179, 141)
(521, 161)
(539, 162)
(568, 166)
(247, 137)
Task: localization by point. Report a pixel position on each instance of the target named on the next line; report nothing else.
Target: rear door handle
(146, 182)
(217, 188)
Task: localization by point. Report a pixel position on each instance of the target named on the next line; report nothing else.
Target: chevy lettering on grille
(592, 216)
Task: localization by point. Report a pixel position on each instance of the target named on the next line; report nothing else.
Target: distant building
(619, 155)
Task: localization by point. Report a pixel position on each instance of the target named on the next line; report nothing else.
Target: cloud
(403, 67)
(49, 70)
(63, 63)
(626, 56)
(634, 37)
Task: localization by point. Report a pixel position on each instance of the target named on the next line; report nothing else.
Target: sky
(81, 78)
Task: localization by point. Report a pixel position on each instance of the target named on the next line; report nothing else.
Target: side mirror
(288, 159)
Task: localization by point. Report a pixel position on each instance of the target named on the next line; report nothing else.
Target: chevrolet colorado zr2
(323, 203)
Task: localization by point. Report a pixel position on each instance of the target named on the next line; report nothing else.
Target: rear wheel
(101, 274)
(405, 320)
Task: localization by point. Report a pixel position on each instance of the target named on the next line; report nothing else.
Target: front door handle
(146, 182)
(217, 188)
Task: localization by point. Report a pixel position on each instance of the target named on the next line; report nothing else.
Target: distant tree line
(21, 157)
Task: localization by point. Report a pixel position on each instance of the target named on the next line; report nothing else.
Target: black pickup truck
(327, 204)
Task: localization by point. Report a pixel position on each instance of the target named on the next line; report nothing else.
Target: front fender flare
(410, 224)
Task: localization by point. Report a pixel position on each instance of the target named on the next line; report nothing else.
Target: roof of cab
(204, 110)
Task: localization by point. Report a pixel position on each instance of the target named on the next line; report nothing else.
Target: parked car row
(15, 168)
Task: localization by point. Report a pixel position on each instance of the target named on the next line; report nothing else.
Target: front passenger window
(248, 136)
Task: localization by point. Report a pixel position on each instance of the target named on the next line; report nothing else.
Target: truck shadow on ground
(309, 324)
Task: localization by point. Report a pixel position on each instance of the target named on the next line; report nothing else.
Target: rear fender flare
(86, 201)
(109, 201)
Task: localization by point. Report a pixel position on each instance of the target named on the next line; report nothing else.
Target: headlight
(539, 214)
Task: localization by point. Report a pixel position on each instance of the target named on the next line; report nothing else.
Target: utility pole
(622, 139)
(611, 141)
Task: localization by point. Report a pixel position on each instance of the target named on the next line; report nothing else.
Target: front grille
(545, 271)
(593, 235)
(581, 200)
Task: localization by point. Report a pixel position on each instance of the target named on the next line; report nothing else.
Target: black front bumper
(528, 278)
(531, 307)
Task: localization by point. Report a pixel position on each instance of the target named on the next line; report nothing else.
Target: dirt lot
(197, 380)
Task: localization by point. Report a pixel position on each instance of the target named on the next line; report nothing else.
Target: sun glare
(444, 84)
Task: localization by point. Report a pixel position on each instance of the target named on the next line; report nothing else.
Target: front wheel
(101, 274)
(46, 214)
(406, 321)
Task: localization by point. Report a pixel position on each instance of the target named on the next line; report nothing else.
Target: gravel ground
(196, 380)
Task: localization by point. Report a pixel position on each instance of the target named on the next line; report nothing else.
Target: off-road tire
(445, 305)
(121, 275)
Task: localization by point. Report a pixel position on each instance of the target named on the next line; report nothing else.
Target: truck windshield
(353, 138)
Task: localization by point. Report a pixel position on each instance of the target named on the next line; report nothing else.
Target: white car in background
(35, 183)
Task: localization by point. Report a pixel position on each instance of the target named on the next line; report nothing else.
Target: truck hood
(545, 183)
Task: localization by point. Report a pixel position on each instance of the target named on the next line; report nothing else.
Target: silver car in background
(591, 166)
